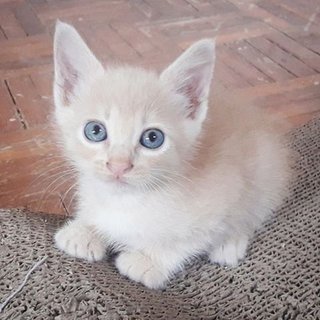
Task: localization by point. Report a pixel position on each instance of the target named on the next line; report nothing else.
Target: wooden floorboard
(268, 52)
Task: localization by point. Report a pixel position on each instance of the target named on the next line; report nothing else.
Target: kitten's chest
(133, 221)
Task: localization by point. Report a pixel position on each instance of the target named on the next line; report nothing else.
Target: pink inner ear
(69, 80)
(192, 90)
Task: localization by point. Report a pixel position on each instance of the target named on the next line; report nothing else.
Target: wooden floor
(268, 50)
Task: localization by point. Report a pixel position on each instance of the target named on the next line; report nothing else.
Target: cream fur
(206, 190)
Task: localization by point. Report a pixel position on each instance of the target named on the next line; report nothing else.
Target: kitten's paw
(140, 268)
(80, 241)
(230, 253)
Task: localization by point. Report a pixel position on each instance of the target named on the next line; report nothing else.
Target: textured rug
(280, 278)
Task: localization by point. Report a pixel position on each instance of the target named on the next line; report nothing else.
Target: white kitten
(152, 181)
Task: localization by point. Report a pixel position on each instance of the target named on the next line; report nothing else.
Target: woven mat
(280, 279)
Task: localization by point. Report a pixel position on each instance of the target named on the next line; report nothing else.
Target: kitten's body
(205, 191)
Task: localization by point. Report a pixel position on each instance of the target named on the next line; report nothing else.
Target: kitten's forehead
(130, 95)
(131, 89)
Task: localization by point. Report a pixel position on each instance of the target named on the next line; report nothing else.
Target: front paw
(230, 253)
(81, 241)
(140, 268)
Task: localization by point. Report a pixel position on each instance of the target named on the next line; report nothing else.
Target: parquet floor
(268, 50)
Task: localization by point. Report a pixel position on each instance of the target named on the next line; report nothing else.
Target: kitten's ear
(190, 75)
(74, 64)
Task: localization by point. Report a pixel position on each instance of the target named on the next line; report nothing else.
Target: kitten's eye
(152, 138)
(95, 131)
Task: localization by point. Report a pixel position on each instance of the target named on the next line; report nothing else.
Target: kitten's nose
(118, 169)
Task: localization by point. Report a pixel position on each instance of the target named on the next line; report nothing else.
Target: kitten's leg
(230, 252)
(80, 240)
(152, 271)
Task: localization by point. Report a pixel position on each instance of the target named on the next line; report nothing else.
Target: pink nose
(118, 169)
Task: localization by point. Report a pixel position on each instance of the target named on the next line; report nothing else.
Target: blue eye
(152, 138)
(95, 131)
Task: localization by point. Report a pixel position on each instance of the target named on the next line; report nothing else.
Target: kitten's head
(129, 126)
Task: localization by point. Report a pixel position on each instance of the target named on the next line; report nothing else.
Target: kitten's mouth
(115, 181)
(119, 181)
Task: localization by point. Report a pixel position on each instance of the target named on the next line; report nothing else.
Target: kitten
(157, 179)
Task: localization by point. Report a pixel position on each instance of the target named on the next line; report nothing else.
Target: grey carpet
(280, 279)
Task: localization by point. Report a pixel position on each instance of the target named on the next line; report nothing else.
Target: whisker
(43, 180)
(72, 187)
(69, 189)
(71, 201)
(64, 176)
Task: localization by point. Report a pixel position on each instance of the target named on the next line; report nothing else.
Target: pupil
(152, 136)
(96, 129)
